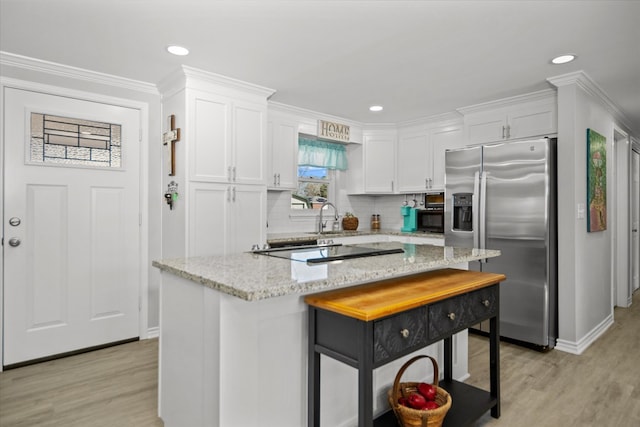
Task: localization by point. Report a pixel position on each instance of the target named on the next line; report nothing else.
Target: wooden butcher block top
(375, 300)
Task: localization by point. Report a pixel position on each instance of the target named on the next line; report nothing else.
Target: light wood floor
(112, 387)
(601, 387)
(118, 386)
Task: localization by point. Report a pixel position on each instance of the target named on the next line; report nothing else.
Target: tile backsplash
(281, 219)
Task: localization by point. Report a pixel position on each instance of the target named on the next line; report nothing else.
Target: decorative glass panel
(68, 141)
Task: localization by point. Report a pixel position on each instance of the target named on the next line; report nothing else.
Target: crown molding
(584, 82)
(279, 107)
(195, 78)
(26, 63)
(541, 95)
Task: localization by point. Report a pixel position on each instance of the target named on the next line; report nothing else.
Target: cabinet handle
(508, 131)
(503, 132)
(274, 180)
(228, 194)
(392, 186)
(451, 316)
(404, 333)
(233, 198)
(278, 180)
(486, 303)
(234, 174)
(426, 183)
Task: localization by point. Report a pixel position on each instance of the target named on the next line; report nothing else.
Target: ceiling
(416, 58)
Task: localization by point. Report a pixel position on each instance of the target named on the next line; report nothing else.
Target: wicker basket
(350, 223)
(409, 417)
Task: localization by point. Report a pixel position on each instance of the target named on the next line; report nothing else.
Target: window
(69, 141)
(314, 183)
(317, 161)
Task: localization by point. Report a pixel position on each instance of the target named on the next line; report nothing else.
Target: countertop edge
(292, 288)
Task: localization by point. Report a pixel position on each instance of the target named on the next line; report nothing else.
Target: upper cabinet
(228, 139)
(420, 160)
(283, 153)
(525, 116)
(448, 136)
(372, 163)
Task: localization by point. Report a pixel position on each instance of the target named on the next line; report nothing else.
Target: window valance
(321, 154)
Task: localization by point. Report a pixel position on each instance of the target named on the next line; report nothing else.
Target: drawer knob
(486, 303)
(451, 316)
(404, 333)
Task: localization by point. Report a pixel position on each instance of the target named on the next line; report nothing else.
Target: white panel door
(72, 265)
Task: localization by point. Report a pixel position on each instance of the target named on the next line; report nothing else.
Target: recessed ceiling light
(178, 50)
(563, 59)
(376, 108)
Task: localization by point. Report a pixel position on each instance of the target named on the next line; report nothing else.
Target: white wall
(584, 260)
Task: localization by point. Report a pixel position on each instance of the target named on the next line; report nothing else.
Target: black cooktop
(320, 254)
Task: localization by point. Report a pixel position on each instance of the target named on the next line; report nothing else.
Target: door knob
(15, 221)
(14, 241)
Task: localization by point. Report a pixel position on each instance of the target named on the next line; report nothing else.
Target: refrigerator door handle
(475, 220)
(483, 212)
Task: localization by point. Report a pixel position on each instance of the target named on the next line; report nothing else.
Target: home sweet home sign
(333, 131)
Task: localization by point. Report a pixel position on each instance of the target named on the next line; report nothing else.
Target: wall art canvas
(596, 181)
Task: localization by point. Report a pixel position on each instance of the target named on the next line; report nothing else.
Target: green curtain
(321, 154)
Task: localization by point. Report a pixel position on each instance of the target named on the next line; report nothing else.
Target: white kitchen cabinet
(414, 169)
(221, 164)
(283, 154)
(532, 115)
(225, 218)
(420, 165)
(372, 164)
(228, 139)
(443, 138)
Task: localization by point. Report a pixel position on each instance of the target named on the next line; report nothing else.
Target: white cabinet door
(248, 222)
(208, 218)
(210, 152)
(283, 147)
(413, 164)
(225, 218)
(485, 127)
(441, 140)
(379, 164)
(536, 120)
(249, 145)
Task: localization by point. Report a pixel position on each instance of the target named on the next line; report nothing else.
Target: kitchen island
(233, 336)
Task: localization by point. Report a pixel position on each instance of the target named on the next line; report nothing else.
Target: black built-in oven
(431, 218)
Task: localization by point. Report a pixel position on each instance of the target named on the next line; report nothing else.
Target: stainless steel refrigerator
(503, 196)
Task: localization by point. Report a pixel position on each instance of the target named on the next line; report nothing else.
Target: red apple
(430, 404)
(428, 391)
(403, 401)
(416, 400)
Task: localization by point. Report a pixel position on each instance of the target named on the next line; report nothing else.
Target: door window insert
(78, 142)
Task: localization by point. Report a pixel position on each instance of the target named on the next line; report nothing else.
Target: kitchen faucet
(321, 225)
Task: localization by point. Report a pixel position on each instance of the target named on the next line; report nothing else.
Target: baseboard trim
(578, 347)
(153, 332)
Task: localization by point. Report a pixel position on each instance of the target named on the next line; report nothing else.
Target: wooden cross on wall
(169, 139)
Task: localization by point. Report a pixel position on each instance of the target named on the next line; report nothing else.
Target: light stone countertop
(254, 277)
